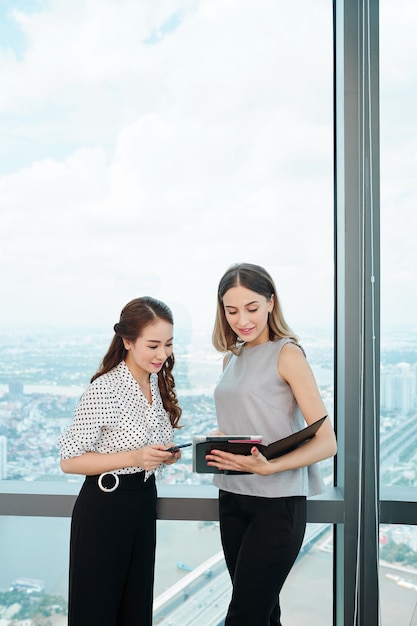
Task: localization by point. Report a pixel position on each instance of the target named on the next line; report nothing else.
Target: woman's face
(149, 352)
(247, 314)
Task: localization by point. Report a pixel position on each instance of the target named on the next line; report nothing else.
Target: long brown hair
(135, 316)
(255, 278)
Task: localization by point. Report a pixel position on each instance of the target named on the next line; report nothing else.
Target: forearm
(314, 451)
(91, 463)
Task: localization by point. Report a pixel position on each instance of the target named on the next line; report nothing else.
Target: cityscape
(42, 375)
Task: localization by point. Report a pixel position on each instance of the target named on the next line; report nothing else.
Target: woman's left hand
(255, 463)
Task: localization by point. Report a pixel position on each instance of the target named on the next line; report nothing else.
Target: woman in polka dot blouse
(121, 434)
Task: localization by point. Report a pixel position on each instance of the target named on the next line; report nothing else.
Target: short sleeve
(96, 409)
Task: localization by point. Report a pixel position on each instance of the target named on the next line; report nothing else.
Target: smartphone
(181, 445)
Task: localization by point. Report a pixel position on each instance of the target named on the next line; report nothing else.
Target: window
(145, 149)
(202, 136)
(398, 400)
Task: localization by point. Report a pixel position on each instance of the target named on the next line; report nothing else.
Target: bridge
(203, 595)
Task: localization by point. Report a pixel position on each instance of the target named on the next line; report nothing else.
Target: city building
(398, 388)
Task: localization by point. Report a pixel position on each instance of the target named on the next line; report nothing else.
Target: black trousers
(261, 539)
(112, 553)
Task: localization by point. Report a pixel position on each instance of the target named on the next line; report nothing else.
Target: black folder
(242, 444)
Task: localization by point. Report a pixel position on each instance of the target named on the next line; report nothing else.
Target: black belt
(110, 481)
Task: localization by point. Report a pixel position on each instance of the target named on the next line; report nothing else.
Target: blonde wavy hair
(255, 278)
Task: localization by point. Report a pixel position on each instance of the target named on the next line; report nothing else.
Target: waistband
(110, 481)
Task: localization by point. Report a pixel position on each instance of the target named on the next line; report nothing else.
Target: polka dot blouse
(113, 415)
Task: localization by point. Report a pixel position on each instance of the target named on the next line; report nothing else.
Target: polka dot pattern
(113, 415)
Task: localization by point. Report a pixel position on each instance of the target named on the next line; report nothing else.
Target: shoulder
(284, 346)
(292, 349)
(103, 386)
(291, 353)
(103, 383)
(96, 393)
(292, 361)
(119, 375)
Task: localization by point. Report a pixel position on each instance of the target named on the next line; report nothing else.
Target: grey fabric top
(252, 399)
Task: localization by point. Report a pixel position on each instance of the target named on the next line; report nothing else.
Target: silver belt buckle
(108, 489)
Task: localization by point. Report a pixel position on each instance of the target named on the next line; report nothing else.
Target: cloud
(147, 146)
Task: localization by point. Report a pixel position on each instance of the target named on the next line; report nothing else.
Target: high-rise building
(398, 387)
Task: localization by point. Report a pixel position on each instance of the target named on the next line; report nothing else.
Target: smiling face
(247, 314)
(148, 353)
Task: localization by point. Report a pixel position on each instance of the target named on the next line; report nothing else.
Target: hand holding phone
(181, 445)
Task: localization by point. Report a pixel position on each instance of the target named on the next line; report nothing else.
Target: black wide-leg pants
(261, 539)
(112, 553)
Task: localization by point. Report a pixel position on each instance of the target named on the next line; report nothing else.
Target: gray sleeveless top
(252, 399)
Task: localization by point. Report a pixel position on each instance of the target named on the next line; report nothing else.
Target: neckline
(136, 383)
(142, 391)
(257, 345)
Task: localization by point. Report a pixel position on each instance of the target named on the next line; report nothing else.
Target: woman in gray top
(267, 388)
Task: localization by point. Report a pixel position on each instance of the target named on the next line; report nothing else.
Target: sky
(147, 146)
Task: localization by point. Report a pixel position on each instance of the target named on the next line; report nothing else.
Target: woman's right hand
(150, 457)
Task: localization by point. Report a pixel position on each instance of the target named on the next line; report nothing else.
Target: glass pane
(398, 574)
(313, 574)
(398, 237)
(34, 555)
(202, 136)
(398, 57)
(190, 569)
(190, 572)
(198, 585)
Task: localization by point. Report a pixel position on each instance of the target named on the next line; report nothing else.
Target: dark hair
(255, 278)
(135, 316)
